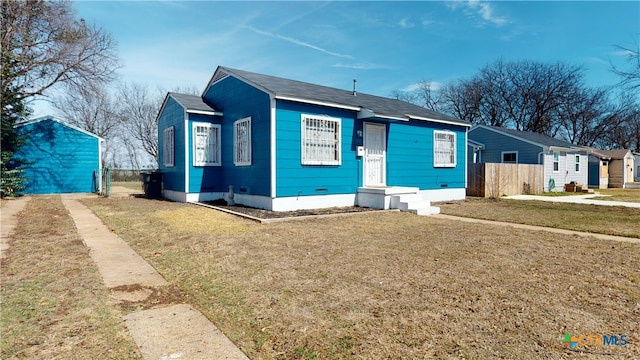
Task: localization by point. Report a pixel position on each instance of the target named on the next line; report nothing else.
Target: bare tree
(138, 109)
(630, 74)
(44, 45)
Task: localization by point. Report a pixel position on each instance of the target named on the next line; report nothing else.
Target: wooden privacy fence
(495, 180)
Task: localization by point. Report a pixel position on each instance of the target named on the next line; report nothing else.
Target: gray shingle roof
(306, 91)
(535, 137)
(192, 102)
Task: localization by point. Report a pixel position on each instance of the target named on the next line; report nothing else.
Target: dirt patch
(267, 214)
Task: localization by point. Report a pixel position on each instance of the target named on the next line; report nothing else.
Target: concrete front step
(413, 203)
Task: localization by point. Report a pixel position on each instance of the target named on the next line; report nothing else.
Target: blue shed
(61, 158)
(282, 144)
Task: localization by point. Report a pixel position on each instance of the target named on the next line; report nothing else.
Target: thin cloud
(297, 42)
(480, 8)
(406, 23)
(433, 86)
(360, 66)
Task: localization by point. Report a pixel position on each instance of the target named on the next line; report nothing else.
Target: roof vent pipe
(354, 87)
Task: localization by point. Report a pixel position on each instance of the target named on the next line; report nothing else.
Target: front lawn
(611, 220)
(631, 195)
(387, 284)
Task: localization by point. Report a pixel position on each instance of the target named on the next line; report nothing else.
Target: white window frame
(555, 162)
(212, 148)
(577, 164)
(169, 147)
(320, 146)
(242, 142)
(509, 152)
(443, 157)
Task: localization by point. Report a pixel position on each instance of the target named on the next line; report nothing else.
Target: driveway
(575, 199)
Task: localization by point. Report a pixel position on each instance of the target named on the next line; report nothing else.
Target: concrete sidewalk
(575, 199)
(171, 332)
(8, 221)
(539, 228)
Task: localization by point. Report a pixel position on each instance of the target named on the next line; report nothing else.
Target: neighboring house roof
(533, 138)
(475, 144)
(366, 105)
(616, 154)
(51, 118)
(192, 103)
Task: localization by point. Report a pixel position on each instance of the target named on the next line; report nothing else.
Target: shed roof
(615, 154)
(367, 105)
(59, 121)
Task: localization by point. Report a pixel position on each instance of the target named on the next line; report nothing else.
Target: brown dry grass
(611, 220)
(387, 285)
(54, 304)
(630, 195)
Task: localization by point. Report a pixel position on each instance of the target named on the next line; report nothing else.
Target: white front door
(375, 150)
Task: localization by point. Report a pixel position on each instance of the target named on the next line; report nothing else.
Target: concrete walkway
(539, 228)
(172, 332)
(576, 199)
(8, 221)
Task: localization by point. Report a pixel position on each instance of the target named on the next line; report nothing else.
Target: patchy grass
(54, 304)
(387, 285)
(611, 220)
(630, 195)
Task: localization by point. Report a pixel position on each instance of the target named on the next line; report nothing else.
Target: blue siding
(496, 143)
(62, 159)
(238, 100)
(295, 179)
(172, 115)
(410, 156)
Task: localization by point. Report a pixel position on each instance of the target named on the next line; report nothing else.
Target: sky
(386, 46)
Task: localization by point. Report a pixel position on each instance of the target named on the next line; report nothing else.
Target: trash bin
(152, 184)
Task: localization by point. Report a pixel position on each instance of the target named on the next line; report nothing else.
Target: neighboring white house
(563, 162)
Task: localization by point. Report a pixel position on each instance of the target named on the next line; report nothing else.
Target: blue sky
(386, 46)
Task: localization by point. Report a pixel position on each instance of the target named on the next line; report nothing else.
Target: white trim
(187, 151)
(218, 141)
(169, 161)
(365, 168)
(312, 202)
(178, 196)
(272, 146)
(59, 121)
(466, 158)
(203, 112)
(304, 118)
(317, 102)
(242, 162)
(455, 149)
(577, 157)
(100, 141)
(553, 160)
(416, 117)
(448, 194)
(508, 152)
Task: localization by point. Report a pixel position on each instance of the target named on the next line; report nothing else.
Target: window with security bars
(168, 154)
(320, 140)
(444, 149)
(242, 142)
(206, 144)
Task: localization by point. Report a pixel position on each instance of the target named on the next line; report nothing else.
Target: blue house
(281, 145)
(563, 162)
(61, 158)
